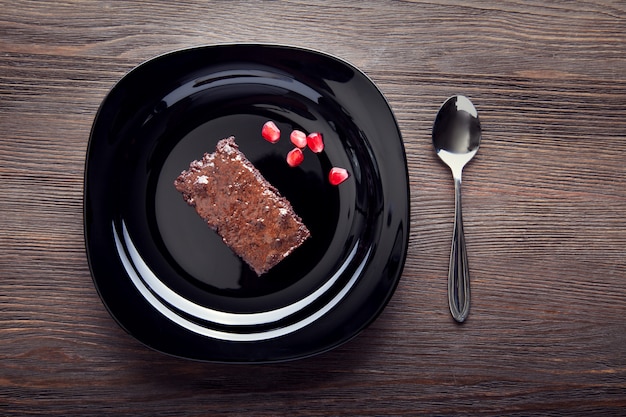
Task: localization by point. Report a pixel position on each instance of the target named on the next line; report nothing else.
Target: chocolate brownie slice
(235, 200)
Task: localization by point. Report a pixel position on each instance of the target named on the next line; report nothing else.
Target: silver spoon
(456, 137)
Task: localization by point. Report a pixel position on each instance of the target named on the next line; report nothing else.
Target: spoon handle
(458, 273)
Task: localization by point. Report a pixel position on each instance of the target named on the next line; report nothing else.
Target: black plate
(168, 279)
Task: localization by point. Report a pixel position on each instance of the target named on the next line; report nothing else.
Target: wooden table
(544, 207)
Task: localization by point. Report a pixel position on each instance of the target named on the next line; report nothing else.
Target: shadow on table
(167, 374)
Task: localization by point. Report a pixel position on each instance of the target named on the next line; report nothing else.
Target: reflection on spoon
(456, 137)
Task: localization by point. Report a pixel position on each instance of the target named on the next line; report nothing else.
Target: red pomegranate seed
(298, 138)
(295, 157)
(270, 132)
(337, 175)
(315, 142)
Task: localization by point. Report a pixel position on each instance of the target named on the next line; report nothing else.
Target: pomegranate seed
(295, 157)
(315, 142)
(337, 175)
(298, 138)
(270, 132)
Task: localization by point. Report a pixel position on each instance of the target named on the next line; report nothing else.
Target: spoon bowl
(456, 138)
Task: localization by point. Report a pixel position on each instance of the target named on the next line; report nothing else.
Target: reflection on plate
(168, 279)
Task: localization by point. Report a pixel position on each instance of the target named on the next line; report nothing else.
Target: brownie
(236, 201)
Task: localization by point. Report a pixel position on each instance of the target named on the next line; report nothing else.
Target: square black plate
(168, 279)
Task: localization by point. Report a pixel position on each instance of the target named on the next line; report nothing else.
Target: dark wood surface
(544, 207)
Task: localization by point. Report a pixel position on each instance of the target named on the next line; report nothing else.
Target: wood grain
(544, 207)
